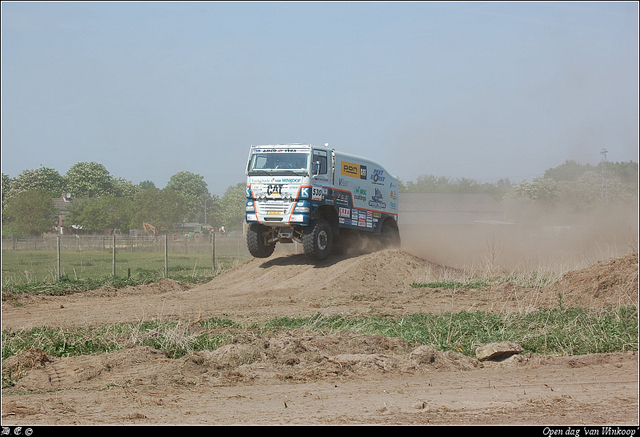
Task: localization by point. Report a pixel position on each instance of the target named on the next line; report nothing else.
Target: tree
(627, 172)
(541, 191)
(6, 186)
(442, 184)
(212, 205)
(164, 209)
(588, 192)
(569, 171)
(428, 183)
(581, 194)
(575, 188)
(230, 209)
(30, 213)
(193, 189)
(125, 188)
(103, 214)
(504, 185)
(89, 179)
(43, 178)
(146, 184)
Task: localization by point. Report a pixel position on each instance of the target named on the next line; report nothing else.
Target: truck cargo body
(295, 188)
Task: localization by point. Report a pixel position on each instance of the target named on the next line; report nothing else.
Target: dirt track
(297, 378)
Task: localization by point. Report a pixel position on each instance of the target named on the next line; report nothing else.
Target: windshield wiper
(293, 172)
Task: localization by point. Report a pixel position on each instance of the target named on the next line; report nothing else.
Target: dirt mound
(18, 365)
(610, 282)
(289, 356)
(47, 373)
(387, 275)
(386, 269)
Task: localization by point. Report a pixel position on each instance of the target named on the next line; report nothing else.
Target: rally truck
(325, 199)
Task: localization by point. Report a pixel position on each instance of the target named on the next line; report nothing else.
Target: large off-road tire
(256, 242)
(390, 235)
(317, 240)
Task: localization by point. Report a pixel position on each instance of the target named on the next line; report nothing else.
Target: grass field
(31, 267)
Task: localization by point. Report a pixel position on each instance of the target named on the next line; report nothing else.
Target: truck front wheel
(256, 241)
(317, 240)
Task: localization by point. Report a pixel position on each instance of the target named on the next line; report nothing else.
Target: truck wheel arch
(329, 213)
(389, 233)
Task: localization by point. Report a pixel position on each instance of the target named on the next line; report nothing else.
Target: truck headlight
(301, 206)
(301, 209)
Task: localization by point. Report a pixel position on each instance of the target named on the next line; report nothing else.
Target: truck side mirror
(316, 168)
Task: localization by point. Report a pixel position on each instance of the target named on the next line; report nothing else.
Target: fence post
(166, 263)
(58, 255)
(113, 256)
(213, 253)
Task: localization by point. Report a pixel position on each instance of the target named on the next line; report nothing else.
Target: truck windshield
(279, 163)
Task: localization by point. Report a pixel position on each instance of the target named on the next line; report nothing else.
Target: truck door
(321, 157)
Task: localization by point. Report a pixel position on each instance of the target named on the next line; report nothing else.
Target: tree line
(104, 203)
(570, 187)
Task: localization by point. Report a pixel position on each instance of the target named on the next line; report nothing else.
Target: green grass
(24, 271)
(174, 338)
(528, 279)
(557, 331)
(67, 285)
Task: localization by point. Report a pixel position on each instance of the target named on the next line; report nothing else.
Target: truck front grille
(273, 209)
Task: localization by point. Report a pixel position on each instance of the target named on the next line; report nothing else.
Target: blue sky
(476, 90)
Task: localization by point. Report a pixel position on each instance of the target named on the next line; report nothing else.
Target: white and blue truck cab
(324, 199)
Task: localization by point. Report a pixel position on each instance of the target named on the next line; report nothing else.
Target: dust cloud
(527, 240)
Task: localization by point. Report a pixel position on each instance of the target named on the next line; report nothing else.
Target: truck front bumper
(278, 213)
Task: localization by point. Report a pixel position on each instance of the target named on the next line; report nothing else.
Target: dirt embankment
(298, 378)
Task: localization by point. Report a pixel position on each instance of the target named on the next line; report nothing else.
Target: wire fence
(87, 256)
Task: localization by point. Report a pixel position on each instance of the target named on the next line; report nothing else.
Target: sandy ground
(297, 378)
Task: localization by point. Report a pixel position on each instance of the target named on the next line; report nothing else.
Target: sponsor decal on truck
(353, 170)
(377, 177)
(360, 194)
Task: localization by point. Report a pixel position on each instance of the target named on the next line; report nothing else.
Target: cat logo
(353, 170)
(274, 190)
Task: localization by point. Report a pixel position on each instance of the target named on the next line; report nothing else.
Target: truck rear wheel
(256, 241)
(317, 240)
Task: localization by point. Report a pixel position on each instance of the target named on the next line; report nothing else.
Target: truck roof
(325, 147)
(284, 146)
